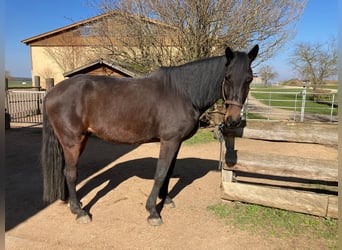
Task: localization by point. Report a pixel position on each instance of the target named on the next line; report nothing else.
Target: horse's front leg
(168, 153)
(164, 191)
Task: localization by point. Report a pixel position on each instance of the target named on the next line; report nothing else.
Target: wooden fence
(291, 183)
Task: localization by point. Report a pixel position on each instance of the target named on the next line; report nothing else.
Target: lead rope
(220, 128)
(222, 90)
(220, 138)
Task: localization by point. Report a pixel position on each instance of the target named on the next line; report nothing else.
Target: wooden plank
(227, 176)
(298, 201)
(333, 207)
(280, 182)
(287, 166)
(322, 133)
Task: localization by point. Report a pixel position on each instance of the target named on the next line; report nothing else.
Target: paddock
(114, 183)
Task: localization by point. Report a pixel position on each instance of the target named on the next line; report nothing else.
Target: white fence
(25, 106)
(293, 106)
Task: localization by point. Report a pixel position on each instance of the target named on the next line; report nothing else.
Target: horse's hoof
(155, 221)
(170, 204)
(84, 219)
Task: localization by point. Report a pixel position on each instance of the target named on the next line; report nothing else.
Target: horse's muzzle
(230, 122)
(232, 119)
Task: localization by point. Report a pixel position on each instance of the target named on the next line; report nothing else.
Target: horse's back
(89, 90)
(83, 84)
(122, 110)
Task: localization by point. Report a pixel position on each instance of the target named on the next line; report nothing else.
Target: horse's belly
(126, 134)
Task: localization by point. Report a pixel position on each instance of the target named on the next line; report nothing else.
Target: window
(86, 30)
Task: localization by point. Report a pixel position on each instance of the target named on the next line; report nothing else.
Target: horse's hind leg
(71, 155)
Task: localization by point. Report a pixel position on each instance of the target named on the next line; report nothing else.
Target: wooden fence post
(7, 115)
(49, 83)
(36, 83)
(229, 158)
(7, 120)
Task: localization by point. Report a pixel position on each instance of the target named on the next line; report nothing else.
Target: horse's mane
(199, 80)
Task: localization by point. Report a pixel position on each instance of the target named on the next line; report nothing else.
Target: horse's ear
(253, 53)
(229, 55)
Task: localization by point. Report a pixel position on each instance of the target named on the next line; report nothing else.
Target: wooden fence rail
(292, 183)
(320, 133)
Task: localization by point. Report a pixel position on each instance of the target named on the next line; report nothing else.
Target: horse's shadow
(24, 184)
(187, 170)
(24, 181)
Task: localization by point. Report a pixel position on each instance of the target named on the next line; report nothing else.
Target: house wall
(63, 60)
(71, 47)
(44, 66)
(257, 80)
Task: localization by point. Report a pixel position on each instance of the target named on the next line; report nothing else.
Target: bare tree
(68, 53)
(267, 73)
(315, 61)
(135, 41)
(47, 72)
(185, 30)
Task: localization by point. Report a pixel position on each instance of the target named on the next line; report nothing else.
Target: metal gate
(25, 106)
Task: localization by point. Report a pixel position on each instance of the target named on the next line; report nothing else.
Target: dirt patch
(115, 181)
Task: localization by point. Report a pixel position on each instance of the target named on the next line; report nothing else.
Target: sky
(318, 23)
(25, 19)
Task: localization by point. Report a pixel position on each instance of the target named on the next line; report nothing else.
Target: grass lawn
(19, 84)
(202, 136)
(276, 222)
(271, 221)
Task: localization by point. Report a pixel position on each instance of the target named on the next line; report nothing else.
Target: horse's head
(235, 86)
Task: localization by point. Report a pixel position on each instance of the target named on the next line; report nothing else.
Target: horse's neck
(200, 82)
(207, 88)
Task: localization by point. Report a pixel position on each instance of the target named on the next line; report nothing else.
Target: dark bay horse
(164, 106)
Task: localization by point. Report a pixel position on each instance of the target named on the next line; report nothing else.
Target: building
(81, 48)
(101, 67)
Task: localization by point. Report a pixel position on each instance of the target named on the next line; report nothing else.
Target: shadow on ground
(24, 180)
(23, 191)
(187, 170)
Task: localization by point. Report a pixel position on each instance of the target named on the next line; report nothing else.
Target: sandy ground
(114, 182)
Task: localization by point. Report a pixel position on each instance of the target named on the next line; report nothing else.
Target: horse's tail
(52, 160)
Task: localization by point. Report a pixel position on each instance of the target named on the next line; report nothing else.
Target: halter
(229, 102)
